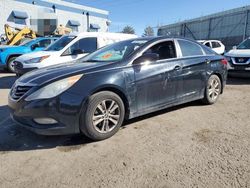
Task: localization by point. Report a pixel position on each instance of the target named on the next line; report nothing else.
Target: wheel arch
(12, 55)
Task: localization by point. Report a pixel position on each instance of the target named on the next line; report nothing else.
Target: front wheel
(103, 116)
(213, 90)
(10, 64)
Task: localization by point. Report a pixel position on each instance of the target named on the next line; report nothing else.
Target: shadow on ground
(238, 81)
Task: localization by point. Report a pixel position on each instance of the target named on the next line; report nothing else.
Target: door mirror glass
(146, 57)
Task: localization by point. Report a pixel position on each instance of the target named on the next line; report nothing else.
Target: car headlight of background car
(36, 60)
(54, 89)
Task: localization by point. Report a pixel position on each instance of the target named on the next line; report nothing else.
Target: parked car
(9, 53)
(66, 49)
(215, 45)
(121, 81)
(239, 59)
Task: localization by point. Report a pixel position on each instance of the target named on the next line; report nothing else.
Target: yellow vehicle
(14, 37)
(61, 30)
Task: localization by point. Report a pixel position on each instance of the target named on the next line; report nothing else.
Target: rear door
(156, 81)
(217, 47)
(193, 71)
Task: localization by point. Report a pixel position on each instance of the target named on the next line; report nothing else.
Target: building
(43, 16)
(231, 27)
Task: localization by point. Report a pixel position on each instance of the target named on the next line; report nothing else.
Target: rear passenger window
(165, 50)
(190, 48)
(216, 45)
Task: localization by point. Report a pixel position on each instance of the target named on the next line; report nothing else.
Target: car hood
(5, 47)
(238, 53)
(49, 74)
(32, 55)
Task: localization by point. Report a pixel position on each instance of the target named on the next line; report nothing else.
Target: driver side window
(165, 50)
(87, 45)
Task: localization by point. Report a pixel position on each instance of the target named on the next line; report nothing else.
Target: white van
(67, 49)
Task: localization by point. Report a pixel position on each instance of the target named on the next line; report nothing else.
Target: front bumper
(239, 70)
(21, 68)
(67, 117)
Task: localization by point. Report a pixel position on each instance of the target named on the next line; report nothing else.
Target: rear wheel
(213, 90)
(10, 64)
(103, 117)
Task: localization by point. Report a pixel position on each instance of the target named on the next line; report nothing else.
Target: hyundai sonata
(121, 81)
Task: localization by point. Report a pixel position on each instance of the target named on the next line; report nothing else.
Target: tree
(148, 32)
(128, 29)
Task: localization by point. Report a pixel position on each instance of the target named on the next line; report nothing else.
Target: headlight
(36, 60)
(54, 89)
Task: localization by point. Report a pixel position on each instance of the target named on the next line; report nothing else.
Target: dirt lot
(190, 145)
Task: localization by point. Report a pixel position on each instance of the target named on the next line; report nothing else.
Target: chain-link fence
(230, 27)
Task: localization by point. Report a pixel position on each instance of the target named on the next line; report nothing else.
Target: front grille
(18, 91)
(241, 60)
(18, 65)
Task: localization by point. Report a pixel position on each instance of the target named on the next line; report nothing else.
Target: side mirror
(146, 57)
(34, 46)
(234, 47)
(77, 52)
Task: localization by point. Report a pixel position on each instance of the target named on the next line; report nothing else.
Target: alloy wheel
(214, 89)
(106, 116)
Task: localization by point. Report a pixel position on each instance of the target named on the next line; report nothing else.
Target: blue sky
(141, 13)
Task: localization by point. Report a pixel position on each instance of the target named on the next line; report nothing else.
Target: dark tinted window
(189, 48)
(44, 43)
(165, 50)
(87, 45)
(216, 45)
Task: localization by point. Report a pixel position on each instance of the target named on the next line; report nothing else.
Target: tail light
(224, 61)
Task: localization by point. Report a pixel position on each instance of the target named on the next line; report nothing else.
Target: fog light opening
(45, 121)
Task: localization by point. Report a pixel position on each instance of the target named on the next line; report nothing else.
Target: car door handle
(177, 67)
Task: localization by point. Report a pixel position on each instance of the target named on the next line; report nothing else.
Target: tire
(213, 90)
(10, 66)
(103, 116)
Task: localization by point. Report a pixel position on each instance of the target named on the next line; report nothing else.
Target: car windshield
(115, 52)
(244, 45)
(60, 43)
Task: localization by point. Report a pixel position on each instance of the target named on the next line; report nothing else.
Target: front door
(156, 81)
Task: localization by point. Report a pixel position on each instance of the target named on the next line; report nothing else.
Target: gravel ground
(191, 145)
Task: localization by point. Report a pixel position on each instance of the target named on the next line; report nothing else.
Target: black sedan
(124, 80)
